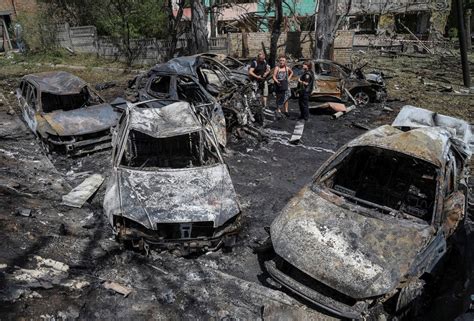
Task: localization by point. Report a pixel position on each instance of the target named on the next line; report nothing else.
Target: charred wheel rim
(361, 98)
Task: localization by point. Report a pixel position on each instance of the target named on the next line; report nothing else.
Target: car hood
(82, 120)
(178, 195)
(357, 255)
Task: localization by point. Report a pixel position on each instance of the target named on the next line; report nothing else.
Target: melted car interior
(183, 151)
(384, 178)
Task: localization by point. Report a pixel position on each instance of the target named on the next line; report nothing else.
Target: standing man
(305, 84)
(258, 72)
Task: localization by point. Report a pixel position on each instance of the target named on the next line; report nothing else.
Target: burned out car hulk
(378, 217)
(169, 185)
(202, 81)
(65, 112)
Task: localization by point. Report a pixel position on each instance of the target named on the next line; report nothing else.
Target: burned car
(169, 185)
(333, 79)
(378, 217)
(202, 82)
(237, 70)
(65, 113)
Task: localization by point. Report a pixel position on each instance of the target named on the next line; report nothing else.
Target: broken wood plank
(81, 193)
(297, 132)
(340, 113)
(125, 291)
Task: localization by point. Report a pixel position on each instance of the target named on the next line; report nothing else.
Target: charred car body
(333, 79)
(378, 217)
(65, 113)
(205, 83)
(169, 185)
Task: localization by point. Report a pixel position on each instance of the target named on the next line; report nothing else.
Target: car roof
(427, 143)
(172, 120)
(179, 66)
(57, 82)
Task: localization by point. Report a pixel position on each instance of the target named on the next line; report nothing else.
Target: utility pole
(463, 45)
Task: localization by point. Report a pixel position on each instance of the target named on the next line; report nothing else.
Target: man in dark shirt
(258, 72)
(305, 83)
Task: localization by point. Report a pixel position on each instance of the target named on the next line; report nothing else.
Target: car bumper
(329, 304)
(80, 147)
(223, 236)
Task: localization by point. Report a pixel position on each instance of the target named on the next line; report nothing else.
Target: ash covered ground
(37, 233)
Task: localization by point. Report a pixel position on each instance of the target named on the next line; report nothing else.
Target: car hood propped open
(358, 255)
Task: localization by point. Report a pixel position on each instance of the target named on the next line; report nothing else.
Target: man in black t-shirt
(258, 72)
(305, 86)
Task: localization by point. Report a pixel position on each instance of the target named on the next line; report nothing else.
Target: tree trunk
(198, 27)
(174, 24)
(276, 31)
(325, 25)
(212, 17)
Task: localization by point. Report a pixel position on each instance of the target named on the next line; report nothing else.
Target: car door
(454, 198)
(190, 90)
(327, 80)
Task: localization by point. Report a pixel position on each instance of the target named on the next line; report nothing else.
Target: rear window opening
(52, 102)
(185, 151)
(385, 178)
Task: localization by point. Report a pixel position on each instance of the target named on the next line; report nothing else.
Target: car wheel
(361, 97)
(408, 303)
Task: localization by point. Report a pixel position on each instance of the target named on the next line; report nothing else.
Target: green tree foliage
(141, 18)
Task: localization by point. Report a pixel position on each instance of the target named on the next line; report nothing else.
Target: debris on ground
(84, 191)
(125, 291)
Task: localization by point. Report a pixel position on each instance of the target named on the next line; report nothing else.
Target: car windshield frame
(326, 171)
(122, 145)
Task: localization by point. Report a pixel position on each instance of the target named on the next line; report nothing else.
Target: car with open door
(335, 82)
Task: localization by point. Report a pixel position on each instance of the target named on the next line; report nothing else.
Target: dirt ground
(83, 256)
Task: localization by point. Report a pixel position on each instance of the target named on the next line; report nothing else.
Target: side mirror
(453, 211)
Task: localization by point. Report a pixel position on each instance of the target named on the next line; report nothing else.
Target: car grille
(173, 231)
(302, 278)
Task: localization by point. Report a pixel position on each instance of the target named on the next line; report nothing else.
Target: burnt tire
(361, 97)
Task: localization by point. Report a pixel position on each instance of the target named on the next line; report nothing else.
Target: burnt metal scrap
(65, 112)
(169, 185)
(228, 101)
(377, 218)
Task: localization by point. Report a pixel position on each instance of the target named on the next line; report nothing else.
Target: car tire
(361, 97)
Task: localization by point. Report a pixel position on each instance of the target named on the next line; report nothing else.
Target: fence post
(68, 31)
(229, 44)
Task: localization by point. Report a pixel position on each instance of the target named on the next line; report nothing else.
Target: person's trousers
(303, 101)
